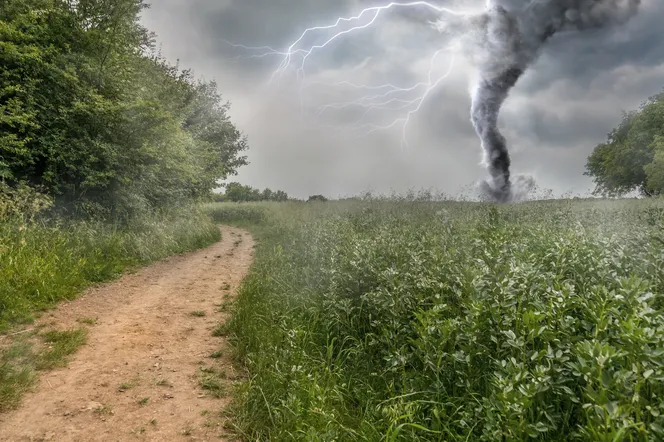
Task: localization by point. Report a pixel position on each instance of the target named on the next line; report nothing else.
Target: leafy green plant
(445, 321)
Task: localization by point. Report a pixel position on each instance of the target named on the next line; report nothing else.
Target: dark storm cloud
(263, 22)
(593, 79)
(279, 23)
(582, 57)
(558, 111)
(255, 21)
(589, 113)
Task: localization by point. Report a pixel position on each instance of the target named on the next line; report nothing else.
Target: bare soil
(152, 339)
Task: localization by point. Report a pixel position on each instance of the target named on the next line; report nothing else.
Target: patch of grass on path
(16, 374)
(60, 344)
(30, 353)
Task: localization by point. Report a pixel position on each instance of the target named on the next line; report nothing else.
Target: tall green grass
(237, 213)
(42, 263)
(454, 322)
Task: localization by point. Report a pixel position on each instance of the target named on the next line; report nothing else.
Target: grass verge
(41, 264)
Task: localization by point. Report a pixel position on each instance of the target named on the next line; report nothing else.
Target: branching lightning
(375, 10)
(510, 36)
(431, 85)
(373, 99)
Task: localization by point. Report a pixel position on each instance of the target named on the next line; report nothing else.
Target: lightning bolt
(375, 10)
(367, 99)
(431, 86)
(381, 97)
(270, 51)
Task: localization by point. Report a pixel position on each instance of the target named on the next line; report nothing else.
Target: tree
(629, 160)
(317, 198)
(280, 195)
(92, 114)
(655, 170)
(237, 192)
(267, 194)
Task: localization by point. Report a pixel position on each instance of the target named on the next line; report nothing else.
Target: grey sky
(566, 104)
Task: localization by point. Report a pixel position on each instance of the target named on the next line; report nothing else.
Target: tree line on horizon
(240, 193)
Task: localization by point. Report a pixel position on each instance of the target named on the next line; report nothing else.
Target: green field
(410, 321)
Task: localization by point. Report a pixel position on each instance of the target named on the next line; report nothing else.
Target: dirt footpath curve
(152, 339)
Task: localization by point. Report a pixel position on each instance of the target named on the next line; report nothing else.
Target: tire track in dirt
(147, 342)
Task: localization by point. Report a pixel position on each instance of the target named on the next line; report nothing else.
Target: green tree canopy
(237, 192)
(633, 156)
(90, 112)
(240, 193)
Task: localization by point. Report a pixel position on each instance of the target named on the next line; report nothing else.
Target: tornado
(511, 34)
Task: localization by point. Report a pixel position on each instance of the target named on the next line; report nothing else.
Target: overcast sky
(565, 105)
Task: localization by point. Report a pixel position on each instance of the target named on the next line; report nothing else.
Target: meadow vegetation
(384, 320)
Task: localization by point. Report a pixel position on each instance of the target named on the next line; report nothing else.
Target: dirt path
(152, 339)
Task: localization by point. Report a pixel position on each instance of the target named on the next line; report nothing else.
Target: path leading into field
(138, 376)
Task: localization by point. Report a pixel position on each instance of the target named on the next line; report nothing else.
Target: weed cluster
(18, 361)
